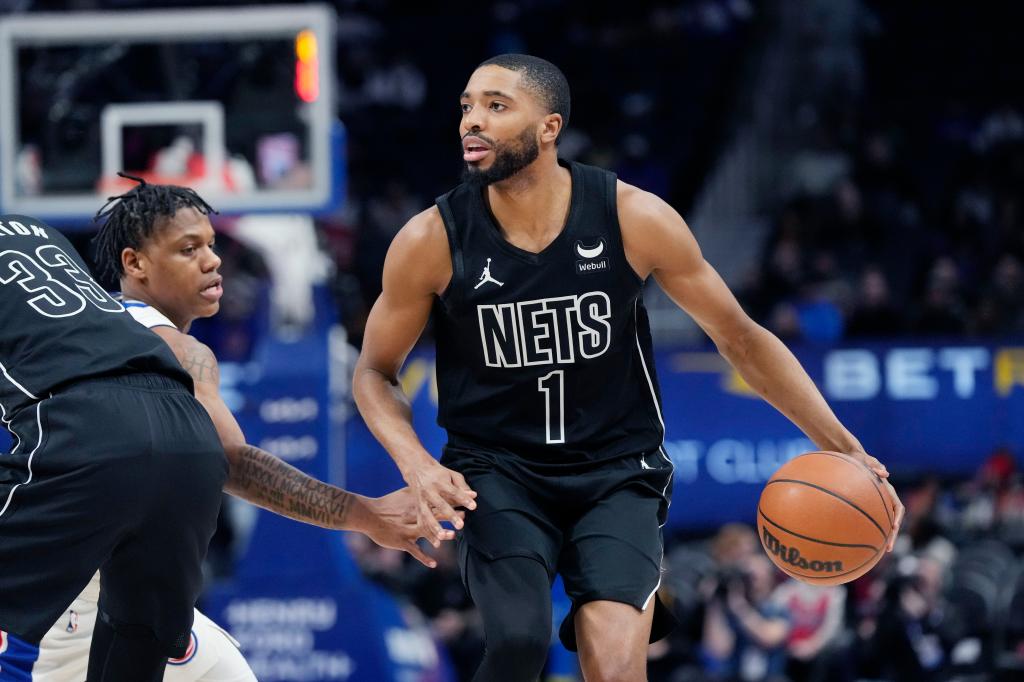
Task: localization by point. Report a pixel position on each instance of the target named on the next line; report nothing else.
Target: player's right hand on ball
(898, 512)
(439, 490)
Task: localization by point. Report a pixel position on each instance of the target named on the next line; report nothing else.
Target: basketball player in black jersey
(532, 270)
(114, 465)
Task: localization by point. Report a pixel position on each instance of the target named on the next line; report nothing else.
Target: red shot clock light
(307, 67)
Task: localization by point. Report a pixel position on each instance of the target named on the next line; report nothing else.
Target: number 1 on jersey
(552, 385)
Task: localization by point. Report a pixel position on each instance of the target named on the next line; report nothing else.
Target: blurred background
(853, 168)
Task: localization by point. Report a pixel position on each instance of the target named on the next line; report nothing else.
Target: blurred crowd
(859, 252)
(901, 212)
(946, 605)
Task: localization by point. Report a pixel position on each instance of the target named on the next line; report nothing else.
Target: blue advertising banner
(920, 408)
(298, 604)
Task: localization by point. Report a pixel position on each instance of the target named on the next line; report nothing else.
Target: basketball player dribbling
(159, 241)
(532, 270)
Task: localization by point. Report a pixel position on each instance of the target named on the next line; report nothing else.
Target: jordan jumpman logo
(485, 277)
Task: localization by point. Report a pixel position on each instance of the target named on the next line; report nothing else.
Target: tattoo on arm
(198, 360)
(266, 481)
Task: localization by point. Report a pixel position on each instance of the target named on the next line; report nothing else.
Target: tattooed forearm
(264, 480)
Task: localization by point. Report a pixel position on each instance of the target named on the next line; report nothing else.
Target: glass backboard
(236, 103)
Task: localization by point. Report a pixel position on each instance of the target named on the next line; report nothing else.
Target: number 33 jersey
(57, 324)
(545, 356)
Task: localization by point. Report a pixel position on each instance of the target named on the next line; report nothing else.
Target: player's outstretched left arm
(658, 242)
(265, 480)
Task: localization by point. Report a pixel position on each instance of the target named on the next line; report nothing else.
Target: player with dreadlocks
(131, 218)
(158, 240)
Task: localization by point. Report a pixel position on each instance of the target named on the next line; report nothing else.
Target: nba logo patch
(190, 652)
(72, 625)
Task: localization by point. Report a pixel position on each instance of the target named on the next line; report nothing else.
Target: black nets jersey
(57, 325)
(545, 356)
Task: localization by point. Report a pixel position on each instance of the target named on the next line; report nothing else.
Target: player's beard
(509, 159)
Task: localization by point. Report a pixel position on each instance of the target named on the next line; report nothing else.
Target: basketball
(824, 518)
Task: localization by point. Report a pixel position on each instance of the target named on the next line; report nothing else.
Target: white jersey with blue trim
(145, 314)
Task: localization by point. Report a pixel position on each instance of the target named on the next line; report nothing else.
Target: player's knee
(618, 671)
(524, 650)
(617, 668)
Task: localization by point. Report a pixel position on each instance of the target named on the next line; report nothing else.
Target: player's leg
(125, 654)
(58, 519)
(513, 595)
(84, 500)
(213, 656)
(611, 566)
(63, 655)
(507, 552)
(152, 578)
(64, 651)
(612, 640)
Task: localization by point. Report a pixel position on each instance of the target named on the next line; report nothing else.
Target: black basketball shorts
(597, 525)
(122, 474)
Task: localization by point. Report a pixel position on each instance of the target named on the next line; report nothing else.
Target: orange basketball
(824, 518)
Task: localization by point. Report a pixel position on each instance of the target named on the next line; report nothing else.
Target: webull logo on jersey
(792, 556)
(590, 258)
(545, 331)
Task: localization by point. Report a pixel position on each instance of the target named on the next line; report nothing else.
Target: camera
(725, 577)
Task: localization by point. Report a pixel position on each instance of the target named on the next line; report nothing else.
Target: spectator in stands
(1005, 295)
(784, 322)
(983, 496)
(942, 312)
(874, 314)
(745, 632)
(817, 652)
(915, 632)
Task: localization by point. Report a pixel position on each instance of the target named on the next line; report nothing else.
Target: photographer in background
(745, 632)
(917, 628)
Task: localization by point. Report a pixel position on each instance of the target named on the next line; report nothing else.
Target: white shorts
(212, 655)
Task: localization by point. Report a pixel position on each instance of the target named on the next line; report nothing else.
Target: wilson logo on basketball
(791, 556)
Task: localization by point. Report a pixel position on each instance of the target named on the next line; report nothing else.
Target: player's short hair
(545, 80)
(130, 219)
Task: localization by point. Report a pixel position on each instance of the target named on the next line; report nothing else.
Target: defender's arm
(262, 479)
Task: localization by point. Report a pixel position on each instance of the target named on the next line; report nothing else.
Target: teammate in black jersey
(532, 269)
(114, 465)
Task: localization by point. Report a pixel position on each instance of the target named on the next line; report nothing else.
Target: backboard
(236, 103)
